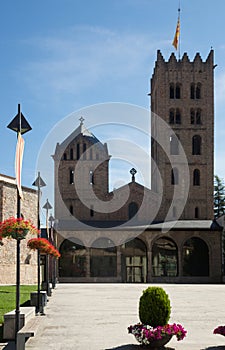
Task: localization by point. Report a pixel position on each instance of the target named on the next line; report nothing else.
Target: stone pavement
(96, 317)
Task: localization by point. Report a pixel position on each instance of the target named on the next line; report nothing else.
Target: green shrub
(154, 307)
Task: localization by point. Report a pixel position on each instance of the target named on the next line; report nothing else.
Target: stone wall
(28, 258)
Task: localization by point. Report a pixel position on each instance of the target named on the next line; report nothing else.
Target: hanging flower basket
(150, 337)
(16, 228)
(44, 246)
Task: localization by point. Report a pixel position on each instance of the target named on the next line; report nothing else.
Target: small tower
(182, 94)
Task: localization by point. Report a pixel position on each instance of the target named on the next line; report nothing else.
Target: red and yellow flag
(18, 163)
(177, 34)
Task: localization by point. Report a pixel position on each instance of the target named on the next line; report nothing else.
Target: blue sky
(61, 56)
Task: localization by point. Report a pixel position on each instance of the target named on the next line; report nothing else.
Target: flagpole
(179, 34)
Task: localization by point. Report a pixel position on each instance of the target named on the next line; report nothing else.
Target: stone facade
(8, 208)
(174, 240)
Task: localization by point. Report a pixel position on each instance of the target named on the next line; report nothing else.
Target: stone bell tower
(182, 95)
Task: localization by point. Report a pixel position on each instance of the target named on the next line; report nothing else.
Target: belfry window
(172, 90)
(196, 177)
(71, 176)
(196, 145)
(175, 91)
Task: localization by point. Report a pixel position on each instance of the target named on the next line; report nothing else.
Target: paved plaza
(96, 317)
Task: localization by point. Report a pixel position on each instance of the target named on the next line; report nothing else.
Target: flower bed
(145, 334)
(16, 228)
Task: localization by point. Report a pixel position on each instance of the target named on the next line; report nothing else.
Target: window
(71, 154)
(78, 151)
(71, 209)
(196, 213)
(92, 211)
(178, 116)
(196, 177)
(71, 175)
(171, 90)
(174, 176)
(64, 156)
(196, 145)
(171, 116)
(174, 145)
(132, 210)
(195, 91)
(195, 116)
(84, 151)
(175, 91)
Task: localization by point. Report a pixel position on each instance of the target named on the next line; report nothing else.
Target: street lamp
(47, 206)
(38, 183)
(53, 241)
(20, 125)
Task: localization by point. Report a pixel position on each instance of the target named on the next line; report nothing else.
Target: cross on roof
(133, 172)
(81, 120)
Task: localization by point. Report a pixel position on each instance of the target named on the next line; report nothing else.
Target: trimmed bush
(154, 307)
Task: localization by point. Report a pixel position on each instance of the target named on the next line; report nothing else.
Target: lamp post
(47, 206)
(38, 183)
(53, 241)
(20, 125)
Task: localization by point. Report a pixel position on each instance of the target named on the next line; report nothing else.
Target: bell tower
(182, 95)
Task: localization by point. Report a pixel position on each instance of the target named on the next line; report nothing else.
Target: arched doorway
(164, 258)
(103, 258)
(73, 260)
(134, 261)
(195, 257)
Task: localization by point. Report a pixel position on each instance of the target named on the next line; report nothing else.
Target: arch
(192, 91)
(84, 150)
(103, 258)
(195, 257)
(64, 156)
(78, 151)
(164, 258)
(196, 212)
(174, 176)
(178, 116)
(71, 153)
(198, 91)
(192, 115)
(132, 210)
(73, 260)
(196, 177)
(71, 176)
(196, 145)
(134, 261)
(198, 116)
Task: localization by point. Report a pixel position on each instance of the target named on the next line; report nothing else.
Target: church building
(167, 234)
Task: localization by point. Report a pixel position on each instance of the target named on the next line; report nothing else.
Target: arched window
(171, 116)
(103, 258)
(164, 258)
(84, 151)
(196, 145)
(174, 176)
(71, 153)
(198, 116)
(64, 156)
(172, 90)
(178, 116)
(71, 176)
(71, 209)
(132, 210)
(192, 92)
(195, 257)
(178, 91)
(91, 177)
(78, 151)
(196, 213)
(174, 145)
(196, 177)
(192, 114)
(73, 260)
(198, 91)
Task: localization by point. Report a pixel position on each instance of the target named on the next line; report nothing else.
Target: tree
(219, 197)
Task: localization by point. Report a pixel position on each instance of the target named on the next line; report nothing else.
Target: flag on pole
(18, 163)
(177, 34)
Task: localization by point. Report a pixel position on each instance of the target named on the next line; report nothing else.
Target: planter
(19, 234)
(158, 343)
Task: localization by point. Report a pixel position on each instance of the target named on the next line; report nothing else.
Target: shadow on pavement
(133, 347)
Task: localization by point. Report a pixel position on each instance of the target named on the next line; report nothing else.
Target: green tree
(219, 196)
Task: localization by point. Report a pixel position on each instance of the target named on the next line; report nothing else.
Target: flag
(177, 34)
(18, 163)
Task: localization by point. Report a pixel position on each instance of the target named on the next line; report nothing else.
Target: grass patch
(8, 298)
